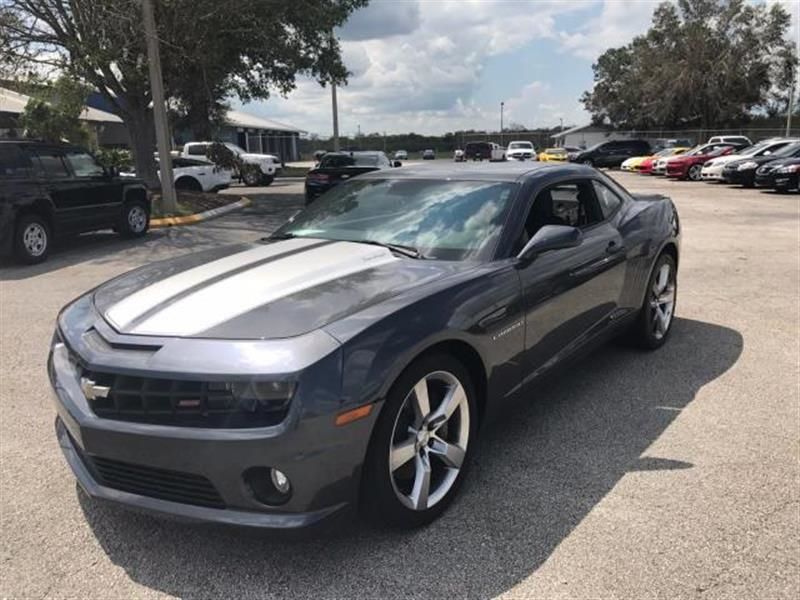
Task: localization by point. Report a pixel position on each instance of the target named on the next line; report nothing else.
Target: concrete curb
(198, 217)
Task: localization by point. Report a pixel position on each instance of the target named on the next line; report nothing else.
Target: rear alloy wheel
(31, 239)
(694, 172)
(658, 310)
(135, 220)
(420, 448)
(589, 162)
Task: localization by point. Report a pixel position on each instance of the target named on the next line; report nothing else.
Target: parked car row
(772, 163)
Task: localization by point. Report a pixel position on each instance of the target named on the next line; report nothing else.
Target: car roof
(503, 171)
(41, 144)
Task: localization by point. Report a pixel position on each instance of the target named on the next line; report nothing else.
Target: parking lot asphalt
(671, 474)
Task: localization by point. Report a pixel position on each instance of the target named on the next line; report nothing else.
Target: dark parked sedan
(335, 167)
(612, 153)
(350, 359)
(743, 171)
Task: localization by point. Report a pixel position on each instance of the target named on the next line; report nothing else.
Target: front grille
(178, 402)
(174, 486)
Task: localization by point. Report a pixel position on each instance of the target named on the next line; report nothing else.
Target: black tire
(644, 332)
(134, 220)
(32, 239)
(380, 494)
(588, 162)
(189, 184)
(252, 175)
(267, 180)
(693, 174)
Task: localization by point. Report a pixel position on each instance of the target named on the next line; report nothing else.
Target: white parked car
(712, 170)
(268, 164)
(199, 175)
(401, 155)
(458, 155)
(521, 150)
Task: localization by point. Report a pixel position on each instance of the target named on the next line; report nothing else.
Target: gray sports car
(349, 359)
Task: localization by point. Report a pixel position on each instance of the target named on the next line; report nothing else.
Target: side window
(607, 199)
(570, 203)
(14, 162)
(51, 163)
(84, 165)
(197, 150)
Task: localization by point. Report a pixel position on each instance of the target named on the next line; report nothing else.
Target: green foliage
(115, 157)
(224, 158)
(703, 63)
(53, 112)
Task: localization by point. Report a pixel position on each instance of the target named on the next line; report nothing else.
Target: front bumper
(786, 182)
(321, 460)
(711, 173)
(739, 177)
(677, 171)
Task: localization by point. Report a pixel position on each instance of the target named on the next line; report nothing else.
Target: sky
(433, 66)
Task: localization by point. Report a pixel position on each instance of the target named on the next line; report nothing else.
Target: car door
(570, 294)
(64, 191)
(18, 189)
(100, 194)
(607, 154)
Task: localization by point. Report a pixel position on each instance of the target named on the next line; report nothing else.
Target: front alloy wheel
(421, 444)
(429, 440)
(31, 239)
(694, 172)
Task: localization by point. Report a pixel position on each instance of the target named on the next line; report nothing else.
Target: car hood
(265, 290)
(253, 156)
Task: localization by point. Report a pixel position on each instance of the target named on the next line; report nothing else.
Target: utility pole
(335, 118)
(561, 129)
(168, 200)
(791, 102)
(502, 104)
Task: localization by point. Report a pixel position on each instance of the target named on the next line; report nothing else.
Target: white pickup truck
(268, 164)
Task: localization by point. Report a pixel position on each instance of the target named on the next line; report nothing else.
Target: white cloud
(417, 65)
(618, 23)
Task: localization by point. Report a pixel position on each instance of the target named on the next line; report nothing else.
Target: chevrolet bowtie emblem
(92, 391)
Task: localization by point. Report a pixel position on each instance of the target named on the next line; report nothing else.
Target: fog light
(268, 485)
(280, 481)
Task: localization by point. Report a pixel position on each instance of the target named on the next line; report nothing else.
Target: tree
(53, 112)
(707, 63)
(210, 51)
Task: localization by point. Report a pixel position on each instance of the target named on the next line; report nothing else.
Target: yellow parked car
(638, 164)
(549, 154)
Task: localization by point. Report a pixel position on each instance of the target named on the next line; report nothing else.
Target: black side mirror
(397, 163)
(551, 237)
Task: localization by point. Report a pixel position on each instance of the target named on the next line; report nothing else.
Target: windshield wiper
(409, 251)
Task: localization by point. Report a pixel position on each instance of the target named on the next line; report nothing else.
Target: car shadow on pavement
(538, 473)
(107, 248)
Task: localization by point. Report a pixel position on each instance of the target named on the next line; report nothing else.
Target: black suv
(47, 190)
(612, 153)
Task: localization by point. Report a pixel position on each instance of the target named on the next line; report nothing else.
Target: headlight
(710, 163)
(788, 169)
(750, 164)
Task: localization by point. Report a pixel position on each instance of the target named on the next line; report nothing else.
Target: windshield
(751, 150)
(526, 145)
(448, 220)
(788, 150)
(234, 148)
(335, 161)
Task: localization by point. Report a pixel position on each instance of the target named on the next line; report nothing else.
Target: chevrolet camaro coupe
(349, 359)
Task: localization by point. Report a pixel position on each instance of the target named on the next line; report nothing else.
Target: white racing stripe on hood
(236, 295)
(124, 312)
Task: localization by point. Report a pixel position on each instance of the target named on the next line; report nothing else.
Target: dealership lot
(670, 474)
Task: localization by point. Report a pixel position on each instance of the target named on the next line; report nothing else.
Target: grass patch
(292, 172)
(190, 203)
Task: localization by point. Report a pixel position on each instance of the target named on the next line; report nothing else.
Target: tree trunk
(141, 130)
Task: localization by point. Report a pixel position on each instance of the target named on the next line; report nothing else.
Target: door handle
(614, 248)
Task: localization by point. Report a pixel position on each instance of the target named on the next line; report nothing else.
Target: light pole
(335, 118)
(502, 104)
(168, 199)
(561, 128)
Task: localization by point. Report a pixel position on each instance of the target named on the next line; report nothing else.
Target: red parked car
(689, 165)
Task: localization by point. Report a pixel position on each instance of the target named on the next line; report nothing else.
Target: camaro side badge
(92, 391)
